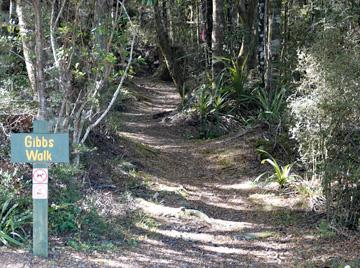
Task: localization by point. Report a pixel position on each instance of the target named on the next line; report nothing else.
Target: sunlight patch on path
(270, 201)
(157, 210)
(244, 185)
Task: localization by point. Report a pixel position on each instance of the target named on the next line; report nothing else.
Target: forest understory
(195, 200)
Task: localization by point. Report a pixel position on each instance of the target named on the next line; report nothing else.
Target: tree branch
(116, 93)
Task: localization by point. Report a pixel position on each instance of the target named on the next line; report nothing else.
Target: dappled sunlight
(270, 201)
(158, 210)
(224, 250)
(198, 237)
(244, 185)
(154, 209)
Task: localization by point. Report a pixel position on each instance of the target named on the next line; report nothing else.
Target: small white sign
(40, 191)
(40, 175)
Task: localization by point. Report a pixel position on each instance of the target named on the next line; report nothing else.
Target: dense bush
(326, 114)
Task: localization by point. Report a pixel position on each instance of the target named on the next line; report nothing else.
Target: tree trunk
(217, 36)
(170, 21)
(101, 16)
(23, 13)
(247, 17)
(262, 38)
(63, 66)
(203, 21)
(39, 67)
(232, 22)
(169, 55)
(12, 12)
(274, 45)
(209, 22)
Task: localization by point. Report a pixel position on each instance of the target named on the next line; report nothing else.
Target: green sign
(39, 148)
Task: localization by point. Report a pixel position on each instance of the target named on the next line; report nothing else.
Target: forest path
(202, 208)
(197, 205)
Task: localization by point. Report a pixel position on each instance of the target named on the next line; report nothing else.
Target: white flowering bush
(326, 120)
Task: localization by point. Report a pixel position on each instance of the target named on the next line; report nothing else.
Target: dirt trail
(201, 207)
(210, 212)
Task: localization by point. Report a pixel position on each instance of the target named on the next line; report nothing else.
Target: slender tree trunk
(170, 21)
(262, 38)
(12, 12)
(217, 36)
(248, 18)
(40, 78)
(232, 21)
(209, 22)
(174, 67)
(202, 20)
(286, 38)
(62, 64)
(23, 11)
(274, 45)
(101, 15)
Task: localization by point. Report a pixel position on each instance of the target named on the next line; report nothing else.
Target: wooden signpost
(40, 148)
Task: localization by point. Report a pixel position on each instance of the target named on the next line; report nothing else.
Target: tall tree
(217, 35)
(39, 66)
(247, 11)
(203, 20)
(262, 38)
(23, 11)
(274, 45)
(167, 51)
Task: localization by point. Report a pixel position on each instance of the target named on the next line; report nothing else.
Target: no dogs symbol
(40, 175)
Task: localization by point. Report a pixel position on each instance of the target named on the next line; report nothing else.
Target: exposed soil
(202, 208)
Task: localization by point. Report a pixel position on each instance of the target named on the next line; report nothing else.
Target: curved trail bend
(199, 207)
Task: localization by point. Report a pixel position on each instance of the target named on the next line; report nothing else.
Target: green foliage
(238, 76)
(148, 2)
(233, 81)
(282, 174)
(271, 105)
(64, 218)
(64, 210)
(325, 230)
(211, 104)
(14, 209)
(73, 215)
(13, 221)
(326, 113)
